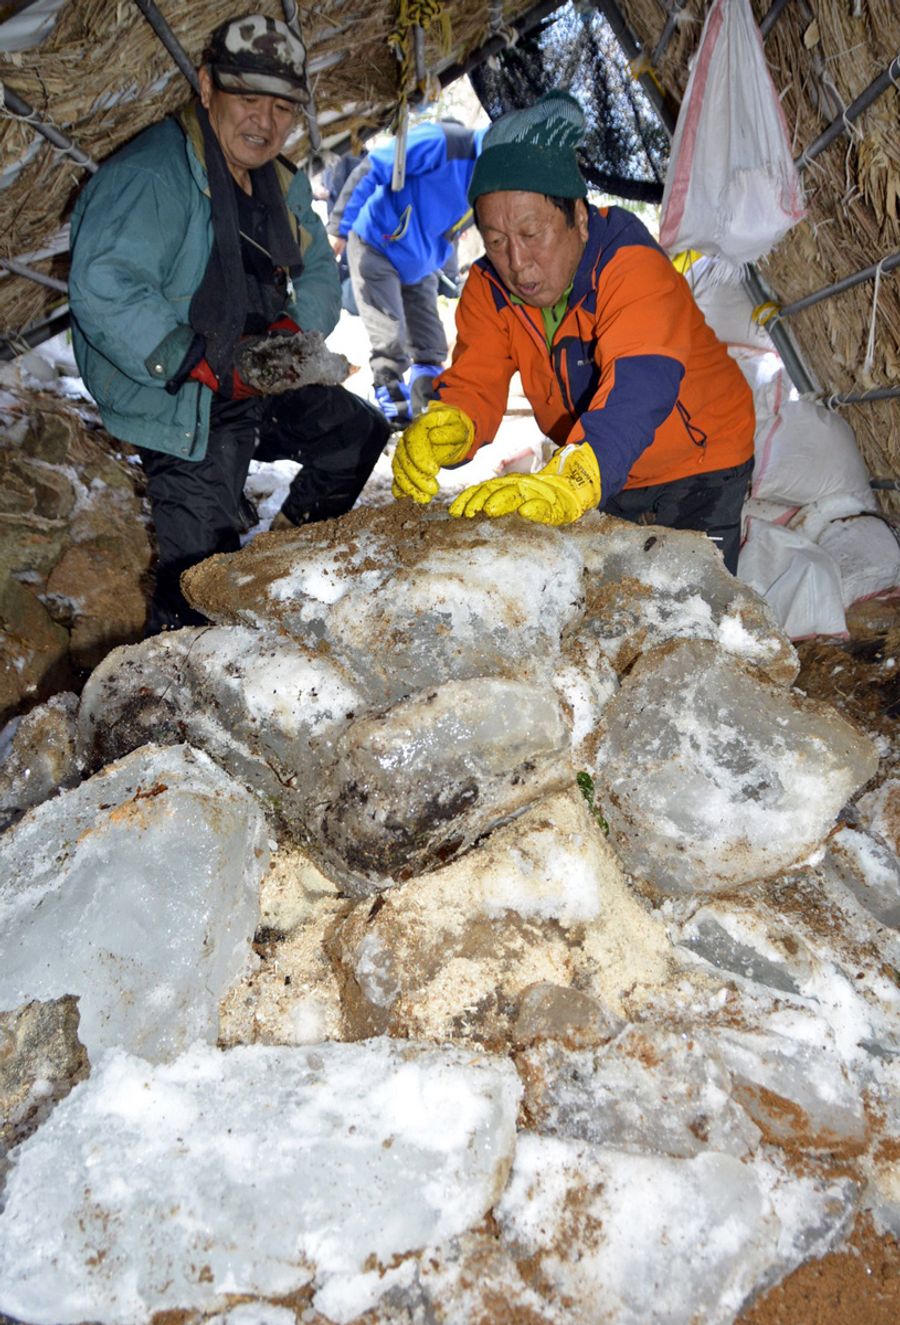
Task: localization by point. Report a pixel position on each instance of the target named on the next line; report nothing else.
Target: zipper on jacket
(402, 226)
(696, 434)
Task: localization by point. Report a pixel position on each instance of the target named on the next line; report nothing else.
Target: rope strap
(766, 312)
(65, 147)
(421, 14)
(641, 66)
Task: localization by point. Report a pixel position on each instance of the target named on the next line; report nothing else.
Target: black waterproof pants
(710, 503)
(196, 505)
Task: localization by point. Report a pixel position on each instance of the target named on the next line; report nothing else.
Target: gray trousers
(401, 321)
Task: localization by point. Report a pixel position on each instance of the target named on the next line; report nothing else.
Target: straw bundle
(102, 75)
(822, 55)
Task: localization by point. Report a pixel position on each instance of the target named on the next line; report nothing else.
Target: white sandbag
(732, 189)
(805, 453)
(867, 554)
(773, 512)
(813, 520)
(725, 305)
(765, 376)
(799, 580)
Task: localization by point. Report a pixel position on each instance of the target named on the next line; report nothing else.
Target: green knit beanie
(533, 150)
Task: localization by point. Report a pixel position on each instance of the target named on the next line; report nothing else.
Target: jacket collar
(187, 119)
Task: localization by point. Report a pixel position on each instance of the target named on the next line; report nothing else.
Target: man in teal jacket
(192, 237)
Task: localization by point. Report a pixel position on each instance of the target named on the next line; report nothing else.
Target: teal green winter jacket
(141, 238)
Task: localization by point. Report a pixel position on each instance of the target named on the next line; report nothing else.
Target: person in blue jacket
(194, 236)
(397, 242)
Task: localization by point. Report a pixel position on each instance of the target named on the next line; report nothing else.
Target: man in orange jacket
(653, 420)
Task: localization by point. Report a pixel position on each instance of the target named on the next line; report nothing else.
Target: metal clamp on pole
(16, 109)
(841, 123)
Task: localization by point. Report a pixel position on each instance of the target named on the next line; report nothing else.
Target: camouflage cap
(258, 54)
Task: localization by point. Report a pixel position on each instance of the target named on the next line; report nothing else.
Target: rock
(267, 710)
(541, 901)
(374, 796)
(255, 1171)
(42, 758)
(882, 1164)
(798, 950)
(99, 593)
(869, 867)
(136, 892)
(51, 433)
(648, 585)
(413, 787)
(711, 776)
(797, 1095)
(33, 650)
(406, 599)
(41, 1059)
(758, 946)
(475, 1281)
(555, 1012)
(879, 811)
(651, 1089)
(74, 548)
(673, 1241)
(35, 493)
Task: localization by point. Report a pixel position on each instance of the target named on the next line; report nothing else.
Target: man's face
(251, 128)
(532, 246)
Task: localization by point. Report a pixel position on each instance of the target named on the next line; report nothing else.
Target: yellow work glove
(557, 494)
(441, 436)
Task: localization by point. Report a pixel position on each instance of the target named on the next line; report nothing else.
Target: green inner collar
(551, 316)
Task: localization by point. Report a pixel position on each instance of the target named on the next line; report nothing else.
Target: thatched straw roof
(823, 54)
(102, 74)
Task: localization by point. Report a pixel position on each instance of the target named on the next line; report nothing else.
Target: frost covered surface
(458, 599)
(437, 719)
(714, 778)
(649, 585)
(254, 1171)
(137, 892)
(416, 785)
(671, 1241)
(441, 600)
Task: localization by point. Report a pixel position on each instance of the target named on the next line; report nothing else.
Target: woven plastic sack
(800, 581)
(732, 189)
(804, 453)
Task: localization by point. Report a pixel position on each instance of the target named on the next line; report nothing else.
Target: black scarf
(219, 306)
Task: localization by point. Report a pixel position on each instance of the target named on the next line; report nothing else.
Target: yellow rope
(641, 65)
(764, 313)
(422, 14)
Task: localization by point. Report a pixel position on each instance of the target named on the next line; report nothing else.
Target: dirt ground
(859, 1285)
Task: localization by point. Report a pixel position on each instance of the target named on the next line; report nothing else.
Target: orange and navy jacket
(633, 370)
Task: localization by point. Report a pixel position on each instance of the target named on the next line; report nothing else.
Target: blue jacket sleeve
(644, 392)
